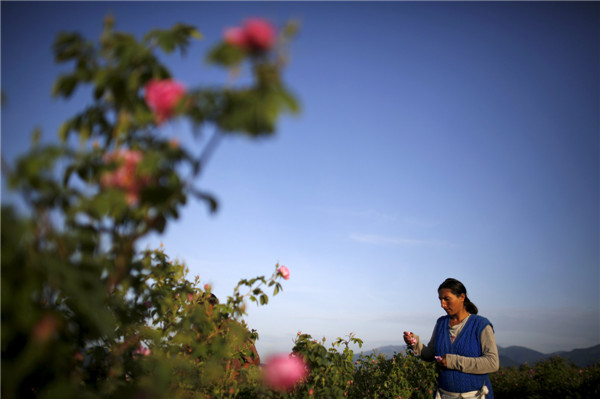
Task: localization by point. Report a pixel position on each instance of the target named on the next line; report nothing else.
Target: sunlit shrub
(401, 376)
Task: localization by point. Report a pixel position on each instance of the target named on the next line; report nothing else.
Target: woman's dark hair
(457, 288)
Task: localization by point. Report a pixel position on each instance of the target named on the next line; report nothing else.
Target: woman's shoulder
(481, 321)
(480, 318)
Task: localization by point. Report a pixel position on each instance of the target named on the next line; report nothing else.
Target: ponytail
(470, 306)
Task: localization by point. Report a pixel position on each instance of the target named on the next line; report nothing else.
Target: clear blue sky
(436, 140)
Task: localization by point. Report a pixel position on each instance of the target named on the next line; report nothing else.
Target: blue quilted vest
(467, 343)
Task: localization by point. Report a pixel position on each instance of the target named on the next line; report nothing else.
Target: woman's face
(451, 303)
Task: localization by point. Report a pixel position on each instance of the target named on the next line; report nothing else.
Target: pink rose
(284, 272)
(283, 372)
(260, 34)
(255, 35)
(125, 177)
(162, 96)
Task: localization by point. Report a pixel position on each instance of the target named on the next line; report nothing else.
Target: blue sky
(435, 140)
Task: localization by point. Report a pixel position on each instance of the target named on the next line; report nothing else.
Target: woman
(462, 344)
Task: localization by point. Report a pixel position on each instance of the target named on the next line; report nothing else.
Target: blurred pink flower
(142, 351)
(125, 177)
(162, 96)
(284, 272)
(78, 357)
(235, 36)
(174, 143)
(283, 372)
(259, 33)
(255, 34)
(44, 329)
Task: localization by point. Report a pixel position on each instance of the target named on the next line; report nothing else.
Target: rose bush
(399, 376)
(85, 313)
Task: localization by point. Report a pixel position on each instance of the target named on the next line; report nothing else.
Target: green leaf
(68, 46)
(226, 55)
(248, 111)
(264, 299)
(212, 202)
(177, 37)
(166, 42)
(64, 85)
(196, 34)
(288, 101)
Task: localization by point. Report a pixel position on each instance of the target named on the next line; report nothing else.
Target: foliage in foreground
(332, 373)
(404, 375)
(85, 313)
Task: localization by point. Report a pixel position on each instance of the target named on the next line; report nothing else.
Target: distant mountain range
(515, 355)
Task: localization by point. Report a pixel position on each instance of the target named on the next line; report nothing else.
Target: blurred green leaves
(177, 37)
(79, 300)
(226, 55)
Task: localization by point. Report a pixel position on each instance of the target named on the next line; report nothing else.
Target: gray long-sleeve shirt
(487, 363)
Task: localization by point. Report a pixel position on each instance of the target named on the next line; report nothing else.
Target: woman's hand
(441, 360)
(409, 338)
